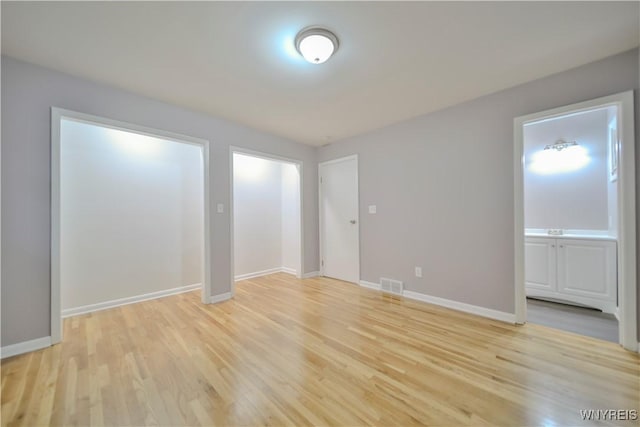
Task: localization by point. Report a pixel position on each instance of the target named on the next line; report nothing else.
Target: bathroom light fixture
(559, 157)
(560, 145)
(316, 44)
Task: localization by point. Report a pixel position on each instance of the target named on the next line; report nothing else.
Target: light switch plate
(220, 208)
(372, 209)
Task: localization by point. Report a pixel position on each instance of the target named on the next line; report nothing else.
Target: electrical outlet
(372, 209)
(220, 208)
(418, 271)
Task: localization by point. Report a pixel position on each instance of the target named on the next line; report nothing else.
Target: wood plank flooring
(312, 352)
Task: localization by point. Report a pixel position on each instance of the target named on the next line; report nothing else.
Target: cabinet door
(587, 268)
(540, 264)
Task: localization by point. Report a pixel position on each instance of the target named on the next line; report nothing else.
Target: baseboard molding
(289, 270)
(129, 300)
(311, 274)
(220, 298)
(460, 306)
(247, 276)
(455, 305)
(25, 347)
(370, 285)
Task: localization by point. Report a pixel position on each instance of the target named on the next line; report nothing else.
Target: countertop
(583, 236)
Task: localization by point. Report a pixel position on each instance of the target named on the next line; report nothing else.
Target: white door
(339, 219)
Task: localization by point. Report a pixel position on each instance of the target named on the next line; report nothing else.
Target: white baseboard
(25, 347)
(461, 306)
(219, 298)
(253, 275)
(311, 274)
(129, 300)
(370, 285)
(455, 305)
(289, 270)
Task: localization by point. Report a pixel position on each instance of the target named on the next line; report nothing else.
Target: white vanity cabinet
(540, 264)
(578, 270)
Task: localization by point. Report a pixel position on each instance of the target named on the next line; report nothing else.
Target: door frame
(273, 157)
(321, 218)
(626, 264)
(57, 114)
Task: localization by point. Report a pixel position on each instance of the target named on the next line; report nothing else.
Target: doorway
(339, 219)
(129, 215)
(266, 219)
(575, 247)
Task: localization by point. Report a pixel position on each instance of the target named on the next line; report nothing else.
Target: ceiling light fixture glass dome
(316, 44)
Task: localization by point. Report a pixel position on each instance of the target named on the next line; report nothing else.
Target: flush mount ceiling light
(316, 44)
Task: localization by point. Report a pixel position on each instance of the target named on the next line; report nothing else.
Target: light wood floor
(315, 351)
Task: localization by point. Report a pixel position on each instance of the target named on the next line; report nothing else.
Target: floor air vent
(391, 286)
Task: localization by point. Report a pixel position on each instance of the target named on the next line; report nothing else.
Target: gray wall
(443, 186)
(28, 92)
(443, 183)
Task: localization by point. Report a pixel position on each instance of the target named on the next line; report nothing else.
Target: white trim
(460, 306)
(267, 156)
(311, 275)
(1, 352)
(339, 160)
(455, 305)
(220, 298)
(627, 245)
(263, 155)
(56, 293)
(56, 116)
(25, 347)
(255, 274)
(627, 284)
(321, 218)
(90, 308)
(370, 285)
(289, 271)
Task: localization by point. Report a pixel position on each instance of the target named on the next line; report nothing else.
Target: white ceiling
(236, 60)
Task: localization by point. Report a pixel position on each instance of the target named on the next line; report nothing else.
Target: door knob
(353, 221)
